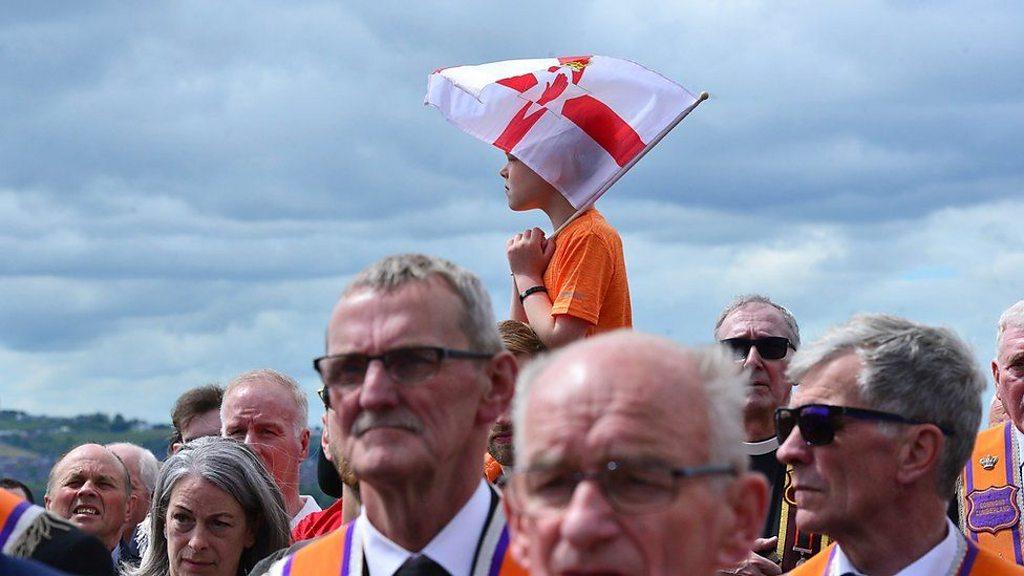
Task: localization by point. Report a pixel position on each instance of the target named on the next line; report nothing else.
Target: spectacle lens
(769, 347)
(629, 488)
(817, 425)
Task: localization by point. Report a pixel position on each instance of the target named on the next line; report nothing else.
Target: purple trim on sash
(287, 570)
(348, 549)
(969, 557)
(1010, 464)
(499, 553)
(831, 556)
(12, 520)
(968, 490)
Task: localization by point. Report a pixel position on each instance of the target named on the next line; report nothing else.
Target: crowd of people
(560, 442)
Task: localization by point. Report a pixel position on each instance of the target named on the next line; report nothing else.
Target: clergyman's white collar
(761, 447)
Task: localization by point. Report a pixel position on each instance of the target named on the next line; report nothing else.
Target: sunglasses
(769, 347)
(818, 422)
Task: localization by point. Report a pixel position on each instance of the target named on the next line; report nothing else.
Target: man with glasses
(762, 336)
(414, 375)
(880, 425)
(629, 461)
(990, 488)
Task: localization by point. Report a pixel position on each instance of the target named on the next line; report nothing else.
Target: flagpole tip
(703, 96)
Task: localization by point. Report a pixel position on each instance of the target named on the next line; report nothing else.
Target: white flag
(578, 122)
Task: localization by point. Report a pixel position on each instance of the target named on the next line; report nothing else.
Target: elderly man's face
(265, 416)
(90, 490)
(130, 457)
(839, 486)
(395, 429)
(769, 388)
(1008, 372)
(580, 418)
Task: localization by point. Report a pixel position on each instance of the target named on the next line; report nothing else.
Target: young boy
(573, 286)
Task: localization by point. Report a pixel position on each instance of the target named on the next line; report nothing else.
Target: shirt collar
(309, 506)
(938, 560)
(448, 548)
(761, 446)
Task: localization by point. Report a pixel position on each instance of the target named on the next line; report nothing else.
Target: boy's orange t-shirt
(586, 276)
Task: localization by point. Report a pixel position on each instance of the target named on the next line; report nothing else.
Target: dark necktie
(421, 566)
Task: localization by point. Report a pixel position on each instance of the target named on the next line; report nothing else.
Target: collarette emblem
(988, 462)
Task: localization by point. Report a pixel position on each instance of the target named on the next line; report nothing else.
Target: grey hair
(52, 477)
(917, 371)
(745, 299)
(1011, 317)
(234, 468)
(396, 271)
(273, 377)
(724, 385)
(149, 466)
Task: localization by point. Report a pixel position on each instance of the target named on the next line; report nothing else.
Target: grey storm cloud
(186, 187)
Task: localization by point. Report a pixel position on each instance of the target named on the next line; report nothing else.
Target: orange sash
(492, 469)
(989, 494)
(12, 508)
(341, 552)
(973, 562)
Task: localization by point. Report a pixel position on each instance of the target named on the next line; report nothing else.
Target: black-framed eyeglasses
(630, 488)
(403, 365)
(768, 347)
(818, 422)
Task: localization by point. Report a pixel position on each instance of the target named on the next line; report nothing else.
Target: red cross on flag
(580, 122)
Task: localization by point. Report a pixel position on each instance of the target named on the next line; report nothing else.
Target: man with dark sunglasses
(629, 461)
(992, 476)
(414, 375)
(877, 431)
(762, 336)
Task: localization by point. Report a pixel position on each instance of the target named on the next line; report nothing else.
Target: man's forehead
(834, 381)
(765, 319)
(256, 397)
(425, 312)
(90, 463)
(622, 403)
(1011, 343)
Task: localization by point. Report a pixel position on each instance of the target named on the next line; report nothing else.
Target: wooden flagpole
(615, 177)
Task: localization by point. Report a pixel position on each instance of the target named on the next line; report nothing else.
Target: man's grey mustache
(393, 419)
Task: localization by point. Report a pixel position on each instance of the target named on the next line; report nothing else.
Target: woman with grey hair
(216, 511)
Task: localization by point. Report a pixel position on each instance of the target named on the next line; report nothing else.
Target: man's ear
(919, 454)
(995, 376)
(304, 440)
(325, 437)
(518, 541)
(502, 370)
(748, 500)
(129, 509)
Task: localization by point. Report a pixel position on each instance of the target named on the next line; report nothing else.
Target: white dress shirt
(453, 547)
(940, 560)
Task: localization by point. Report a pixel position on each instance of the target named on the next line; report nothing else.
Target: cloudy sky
(185, 187)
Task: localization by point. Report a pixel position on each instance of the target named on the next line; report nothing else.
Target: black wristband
(532, 290)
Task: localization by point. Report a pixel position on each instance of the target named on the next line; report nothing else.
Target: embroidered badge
(993, 509)
(988, 462)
